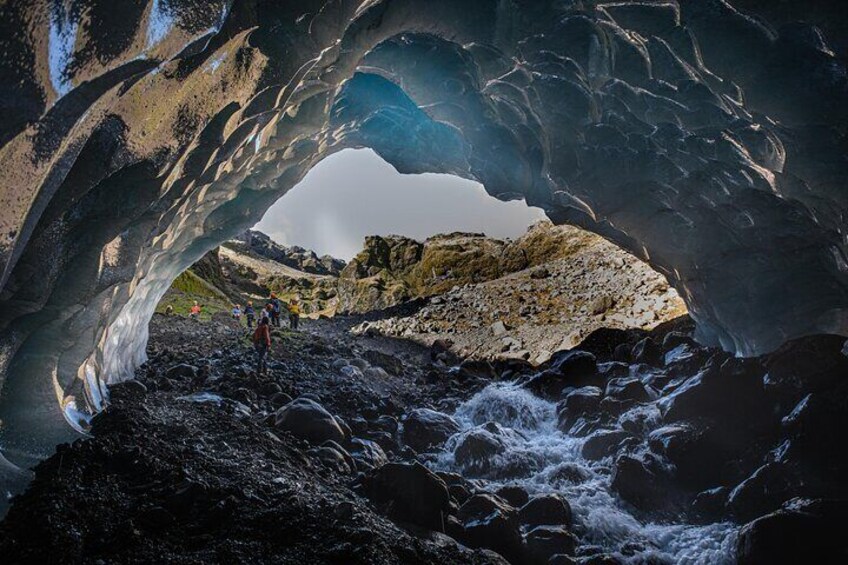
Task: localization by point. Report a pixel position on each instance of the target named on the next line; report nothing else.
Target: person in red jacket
(262, 344)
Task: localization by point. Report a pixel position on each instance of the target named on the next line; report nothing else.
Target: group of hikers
(269, 316)
(272, 312)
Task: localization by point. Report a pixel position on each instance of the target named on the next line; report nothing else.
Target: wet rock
(640, 480)
(803, 532)
(603, 444)
(629, 388)
(566, 369)
(710, 504)
(693, 451)
(459, 494)
(183, 370)
(817, 439)
(544, 542)
(478, 445)
(334, 457)
(515, 495)
(483, 452)
(764, 491)
(489, 522)
(584, 400)
(730, 395)
(308, 420)
(567, 474)
(603, 342)
(546, 509)
(673, 340)
(574, 363)
(477, 369)
(409, 493)
(424, 429)
(547, 384)
(384, 423)
(367, 453)
(647, 351)
(803, 366)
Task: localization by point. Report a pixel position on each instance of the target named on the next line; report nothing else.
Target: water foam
(601, 518)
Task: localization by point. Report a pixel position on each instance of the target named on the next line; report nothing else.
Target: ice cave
(704, 137)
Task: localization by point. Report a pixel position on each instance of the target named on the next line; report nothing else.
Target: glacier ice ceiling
(709, 142)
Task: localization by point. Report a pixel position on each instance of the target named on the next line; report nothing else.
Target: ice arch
(707, 142)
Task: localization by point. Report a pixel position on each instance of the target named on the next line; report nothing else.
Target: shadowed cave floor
(189, 465)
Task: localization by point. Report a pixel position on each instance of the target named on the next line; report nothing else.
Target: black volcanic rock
(706, 140)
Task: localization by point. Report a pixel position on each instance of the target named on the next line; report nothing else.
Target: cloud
(355, 193)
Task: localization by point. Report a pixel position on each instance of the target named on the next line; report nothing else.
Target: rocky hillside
(556, 285)
(256, 244)
(250, 267)
(542, 292)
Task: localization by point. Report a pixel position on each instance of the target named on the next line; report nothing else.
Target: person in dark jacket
(249, 314)
(262, 344)
(276, 308)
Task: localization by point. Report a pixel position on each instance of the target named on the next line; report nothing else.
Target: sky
(355, 193)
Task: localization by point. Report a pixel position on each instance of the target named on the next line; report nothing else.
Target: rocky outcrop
(254, 242)
(701, 139)
(543, 292)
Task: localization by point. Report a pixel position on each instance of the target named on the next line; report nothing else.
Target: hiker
(262, 343)
(250, 314)
(267, 313)
(294, 313)
(237, 313)
(194, 313)
(276, 308)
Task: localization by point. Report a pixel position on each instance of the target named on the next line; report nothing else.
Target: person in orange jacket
(262, 344)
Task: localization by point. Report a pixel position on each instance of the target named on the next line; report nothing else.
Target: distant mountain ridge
(257, 243)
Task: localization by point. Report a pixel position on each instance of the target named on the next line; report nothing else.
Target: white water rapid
(551, 461)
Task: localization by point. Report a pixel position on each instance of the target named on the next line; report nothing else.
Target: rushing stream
(552, 462)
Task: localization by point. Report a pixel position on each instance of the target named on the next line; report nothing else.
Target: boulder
(424, 429)
(648, 352)
(764, 491)
(806, 531)
(730, 395)
(629, 389)
(544, 542)
(693, 451)
(409, 492)
(515, 495)
(603, 342)
(584, 400)
(817, 432)
(308, 420)
(802, 366)
(574, 364)
(570, 368)
(489, 522)
(641, 481)
(333, 456)
(367, 453)
(603, 444)
(546, 509)
(483, 452)
(548, 384)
